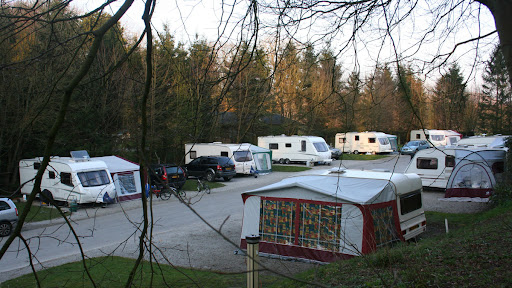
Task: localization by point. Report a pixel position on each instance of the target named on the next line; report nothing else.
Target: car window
(172, 170)
(4, 206)
(224, 161)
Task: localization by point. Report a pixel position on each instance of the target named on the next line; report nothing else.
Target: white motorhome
(435, 165)
(363, 142)
(248, 158)
(287, 149)
(70, 179)
(436, 137)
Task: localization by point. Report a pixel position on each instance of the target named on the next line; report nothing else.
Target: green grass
(288, 168)
(476, 253)
(38, 212)
(114, 271)
(361, 157)
(191, 185)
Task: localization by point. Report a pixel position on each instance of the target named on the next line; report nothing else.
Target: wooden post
(252, 261)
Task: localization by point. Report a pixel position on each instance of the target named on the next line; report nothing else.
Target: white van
(435, 165)
(287, 149)
(436, 137)
(69, 179)
(248, 158)
(363, 142)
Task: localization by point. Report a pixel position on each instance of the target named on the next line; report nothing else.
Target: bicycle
(202, 186)
(165, 194)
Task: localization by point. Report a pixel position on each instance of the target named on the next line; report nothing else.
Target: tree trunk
(501, 11)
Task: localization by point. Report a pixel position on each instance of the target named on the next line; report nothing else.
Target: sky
(187, 18)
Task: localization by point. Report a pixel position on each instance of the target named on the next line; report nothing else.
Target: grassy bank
(475, 253)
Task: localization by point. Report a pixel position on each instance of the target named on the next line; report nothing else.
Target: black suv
(168, 174)
(212, 167)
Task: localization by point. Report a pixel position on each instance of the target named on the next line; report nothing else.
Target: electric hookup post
(253, 242)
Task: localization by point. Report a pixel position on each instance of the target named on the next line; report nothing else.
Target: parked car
(8, 216)
(411, 147)
(212, 167)
(168, 174)
(335, 152)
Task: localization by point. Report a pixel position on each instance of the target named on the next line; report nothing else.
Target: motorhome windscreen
(321, 146)
(410, 202)
(384, 141)
(93, 178)
(242, 156)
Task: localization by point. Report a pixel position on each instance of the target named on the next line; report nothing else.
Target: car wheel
(210, 176)
(5, 228)
(227, 178)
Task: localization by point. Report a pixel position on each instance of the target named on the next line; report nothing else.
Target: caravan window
(37, 165)
(93, 178)
(426, 163)
(371, 140)
(65, 178)
(288, 145)
(321, 147)
(343, 140)
(437, 137)
(449, 161)
(356, 137)
(193, 154)
(242, 156)
(410, 202)
(273, 146)
(225, 154)
(303, 145)
(51, 174)
(384, 141)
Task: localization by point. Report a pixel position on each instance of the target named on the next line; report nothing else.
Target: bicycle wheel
(181, 194)
(165, 195)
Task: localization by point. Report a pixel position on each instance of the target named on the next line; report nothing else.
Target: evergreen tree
(450, 99)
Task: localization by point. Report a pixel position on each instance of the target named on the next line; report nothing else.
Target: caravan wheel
(356, 152)
(47, 197)
(287, 161)
(281, 161)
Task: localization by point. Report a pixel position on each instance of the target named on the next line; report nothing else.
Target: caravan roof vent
(337, 170)
(80, 155)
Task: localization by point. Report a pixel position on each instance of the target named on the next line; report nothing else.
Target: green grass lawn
(289, 168)
(475, 253)
(38, 212)
(361, 157)
(191, 185)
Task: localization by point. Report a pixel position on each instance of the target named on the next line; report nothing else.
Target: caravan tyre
(287, 161)
(281, 161)
(210, 176)
(356, 152)
(46, 196)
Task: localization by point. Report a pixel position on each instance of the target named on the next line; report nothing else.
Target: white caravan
(70, 179)
(286, 149)
(363, 142)
(248, 158)
(436, 137)
(435, 165)
(495, 141)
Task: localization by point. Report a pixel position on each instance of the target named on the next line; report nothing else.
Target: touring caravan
(363, 142)
(248, 158)
(70, 179)
(287, 149)
(338, 215)
(436, 137)
(495, 141)
(436, 165)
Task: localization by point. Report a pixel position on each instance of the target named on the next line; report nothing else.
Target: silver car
(8, 216)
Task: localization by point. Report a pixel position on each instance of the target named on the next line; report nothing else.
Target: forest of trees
(203, 93)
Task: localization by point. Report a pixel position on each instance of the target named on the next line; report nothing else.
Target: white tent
(336, 216)
(126, 176)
